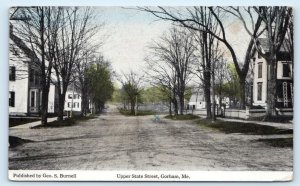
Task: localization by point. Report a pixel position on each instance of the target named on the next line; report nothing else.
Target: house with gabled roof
(24, 85)
(284, 76)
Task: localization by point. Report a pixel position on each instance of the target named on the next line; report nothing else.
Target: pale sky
(130, 31)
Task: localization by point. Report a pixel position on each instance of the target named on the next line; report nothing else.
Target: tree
(207, 55)
(234, 90)
(132, 87)
(82, 64)
(81, 68)
(86, 58)
(277, 22)
(153, 94)
(176, 51)
(117, 96)
(290, 47)
(35, 31)
(100, 83)
(191, 18)
(163, 76)
(77, 29)
(221, 73)
(188, 93)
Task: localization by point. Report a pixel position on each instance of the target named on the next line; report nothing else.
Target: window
(286, 72)
(31, 75)
(11, 99)
(259, 91)
(12, 73)
(32, 97)
(69, 104)
(36, 78)
(70, 96)
(76, 105)
(259, 70)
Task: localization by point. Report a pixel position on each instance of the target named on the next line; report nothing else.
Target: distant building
(197, 101)
(73, 100)
(284, 77)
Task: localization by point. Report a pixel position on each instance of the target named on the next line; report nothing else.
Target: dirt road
(116, 142)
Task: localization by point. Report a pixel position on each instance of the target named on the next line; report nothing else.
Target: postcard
(151, 93)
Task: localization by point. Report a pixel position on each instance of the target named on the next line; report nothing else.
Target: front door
(34, 101)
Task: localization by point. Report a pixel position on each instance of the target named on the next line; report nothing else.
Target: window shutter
(12, 73)
(12, 99)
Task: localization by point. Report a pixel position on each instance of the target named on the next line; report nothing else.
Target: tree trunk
(181, 103)
(207, 94)
(243, 92)
(220, 101)
(208, 103)
(132, 105)
(60, 109)
(83, 102)
(175, 106)
(44, 105)
(271, 89)
(61, 105)
(45, 86)
(213, 96)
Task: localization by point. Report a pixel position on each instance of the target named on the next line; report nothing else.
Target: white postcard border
(173, 176)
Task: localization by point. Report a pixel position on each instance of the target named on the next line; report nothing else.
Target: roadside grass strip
(244, 128)
(182, 117)
(64, 123)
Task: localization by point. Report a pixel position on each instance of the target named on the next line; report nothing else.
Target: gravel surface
(116, 142)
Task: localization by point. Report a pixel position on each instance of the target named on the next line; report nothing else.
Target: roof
(74, 87)
(199, 97)
(265, 45)
(16, 52)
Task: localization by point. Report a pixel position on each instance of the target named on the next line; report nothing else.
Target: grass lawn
(139, 113)
(65, 123)
(245, 128)
(20, 121)
(278, 142)
(183, 117)
(15, 141)
(275, 119)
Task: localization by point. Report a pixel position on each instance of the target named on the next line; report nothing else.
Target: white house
(73, 100)
(197, 100)
(25, 92)
(24, 85)
(284, 77)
